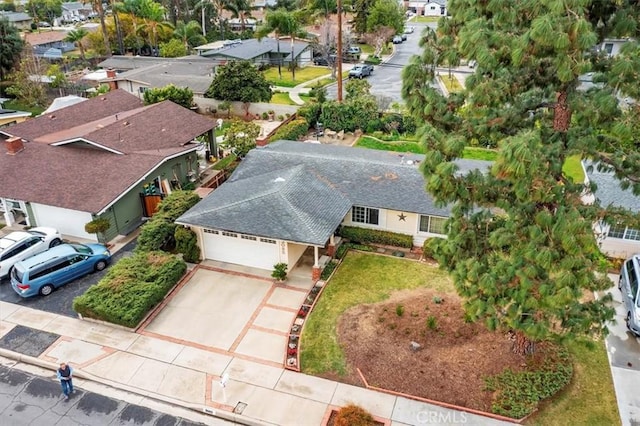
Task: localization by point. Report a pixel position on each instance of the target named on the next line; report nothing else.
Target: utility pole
(339, 52)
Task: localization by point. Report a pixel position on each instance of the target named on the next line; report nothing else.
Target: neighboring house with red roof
(97, 158)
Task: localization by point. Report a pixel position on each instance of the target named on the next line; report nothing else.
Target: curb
(201, 409)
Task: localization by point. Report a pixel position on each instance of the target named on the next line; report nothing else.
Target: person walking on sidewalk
(65, 375)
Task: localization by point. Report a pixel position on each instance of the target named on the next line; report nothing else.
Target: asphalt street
(386, 80)
(27, 399)
(61, 300)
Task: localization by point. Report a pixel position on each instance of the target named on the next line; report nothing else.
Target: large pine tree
(520, 246)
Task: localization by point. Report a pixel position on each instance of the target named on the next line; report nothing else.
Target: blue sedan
(44, 272)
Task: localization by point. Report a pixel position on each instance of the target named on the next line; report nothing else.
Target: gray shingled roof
(364, 177)
(609, 192)
(282, 204)
(253, 48)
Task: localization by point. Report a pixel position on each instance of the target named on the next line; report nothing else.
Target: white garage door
(67, 222)
(242, 250)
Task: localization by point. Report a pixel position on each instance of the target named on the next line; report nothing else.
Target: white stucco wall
(294, 252)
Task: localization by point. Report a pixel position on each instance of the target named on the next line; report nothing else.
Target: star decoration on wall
(402, 217)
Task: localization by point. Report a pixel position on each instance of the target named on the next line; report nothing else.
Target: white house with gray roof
(288, 195)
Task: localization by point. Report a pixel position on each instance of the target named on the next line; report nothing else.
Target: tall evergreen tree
(11, 45)
(520, 245)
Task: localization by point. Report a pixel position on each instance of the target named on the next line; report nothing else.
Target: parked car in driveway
(19, 245)
(397, 39)
(409, 30)
(361, 71)
(44, 272)
(630, 288)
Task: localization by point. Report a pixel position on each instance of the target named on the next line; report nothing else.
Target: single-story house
(616, 240)
(76, 11)
(287, 196)
(49, 44)
(20, 20)
(63, 102)
(264, 51)
(427, 7)
(612, 46)
(196, 73)
(10, 116)
(109, 157)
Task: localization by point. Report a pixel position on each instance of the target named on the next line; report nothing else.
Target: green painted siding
(127, 212)
(112, 232)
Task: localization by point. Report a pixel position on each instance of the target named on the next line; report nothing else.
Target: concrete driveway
(624, 355)
(239, 313)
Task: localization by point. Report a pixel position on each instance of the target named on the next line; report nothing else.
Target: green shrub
(292, 130)
(342, 251)
(158, 233)
(310, 112)
(360, 247)
(399, 310)
(328, 269)
(409, 124)
(432, 323)
(187, 244)
(279, 271)
(374, 236)
(131, 288)
(373, 60)
(517, 394)
(374, 126)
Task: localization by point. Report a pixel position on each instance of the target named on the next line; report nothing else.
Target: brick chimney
(14, 145)
(111, 73)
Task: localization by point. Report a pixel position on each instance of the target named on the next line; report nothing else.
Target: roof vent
(279, 179)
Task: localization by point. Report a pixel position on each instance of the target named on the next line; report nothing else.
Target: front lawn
(302, 75)
(424, 19)
(281, 98)
(361, 278)
(589, 399)
(573, 168)
(470, 153)
(451, 83)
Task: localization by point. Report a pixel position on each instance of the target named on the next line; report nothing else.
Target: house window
(248, 237)
(433, 224)
(267, 240)
(229, 234)
(608, 47)
(624, 233)
(365, 215)
(143, 89)
(211, 231)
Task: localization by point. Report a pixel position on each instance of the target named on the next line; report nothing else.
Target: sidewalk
(187, 376)
(304, 88)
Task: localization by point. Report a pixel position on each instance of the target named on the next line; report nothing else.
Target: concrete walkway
(190, 374)
(304, 88)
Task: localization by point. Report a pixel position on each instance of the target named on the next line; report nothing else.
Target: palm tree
(189, 33)
(154, 23)
(240, 9)
(76, 36)
(132, 9)
(97, 7)
(282, 22)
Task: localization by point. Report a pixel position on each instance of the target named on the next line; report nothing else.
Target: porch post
(8, 217)
(315, 271)
(23, 207)
(331, 250)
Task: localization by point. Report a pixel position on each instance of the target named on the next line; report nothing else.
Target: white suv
(19, 245)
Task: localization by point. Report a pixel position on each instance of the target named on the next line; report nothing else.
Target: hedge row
(131, 288)
(373, 236)
(292, 131)
(159, 232)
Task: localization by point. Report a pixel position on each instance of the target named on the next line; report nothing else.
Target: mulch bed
(453, 358)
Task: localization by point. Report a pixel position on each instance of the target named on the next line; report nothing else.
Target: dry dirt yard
(453, 358)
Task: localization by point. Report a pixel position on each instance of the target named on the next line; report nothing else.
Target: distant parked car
(19, 245)
(472, 63)
(361, 71)
(44, 24)
(354, 50)
(409, 30)
(397, 39)
(403, 36)
(629, 285)
(44, 272)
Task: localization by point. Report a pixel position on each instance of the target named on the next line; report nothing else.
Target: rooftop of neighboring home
(124, 63)
(609, 192)
(9, 114)
(253, 48)
(44, 37)
(15, 16)
(84, 156)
